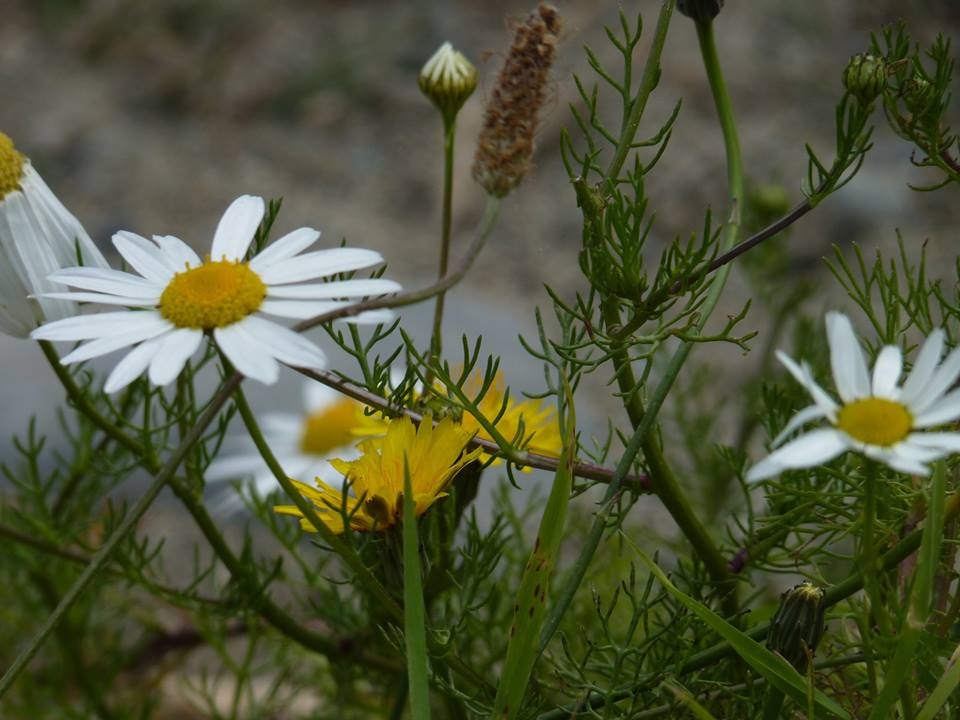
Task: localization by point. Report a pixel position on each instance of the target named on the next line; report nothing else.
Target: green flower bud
(448, 79)
(798, 624)
(917, 95)
(700, 10)
(865, 77)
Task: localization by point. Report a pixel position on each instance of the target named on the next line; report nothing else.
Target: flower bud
(918, 95)
(865, 77)
(38, 236)
(798, 624)
(700, 10)
(448, 79)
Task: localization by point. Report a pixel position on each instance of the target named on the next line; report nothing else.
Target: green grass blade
(414, 612)
(921, 594)
(530, 606)
(773, 667)
(944, 689)
(697, 710)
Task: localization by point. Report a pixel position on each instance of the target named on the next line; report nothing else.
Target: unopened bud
(798, 624)
(865, 77)
(448, 79)
(918, 95)
(505, 145)
(700, 10)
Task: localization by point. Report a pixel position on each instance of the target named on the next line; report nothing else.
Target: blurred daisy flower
(303, 444)
(38, 235)
(876, 416)
(434, 454)
(178, 298)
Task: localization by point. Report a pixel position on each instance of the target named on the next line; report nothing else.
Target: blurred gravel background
(153, 116)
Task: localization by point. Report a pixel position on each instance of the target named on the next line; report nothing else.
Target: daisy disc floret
(175, 299)
(433, 454)
(876, 415)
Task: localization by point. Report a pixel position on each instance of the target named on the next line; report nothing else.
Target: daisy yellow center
(215, 294)
(11, 166)
(329, 428)
(875, 421)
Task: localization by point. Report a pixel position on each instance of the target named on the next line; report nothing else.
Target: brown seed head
(505, 145)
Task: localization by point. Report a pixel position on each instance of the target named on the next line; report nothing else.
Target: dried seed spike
(505, 145)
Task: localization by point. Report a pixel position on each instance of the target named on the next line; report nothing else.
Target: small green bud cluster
(798, 624)
(865, 77)
(700, 10)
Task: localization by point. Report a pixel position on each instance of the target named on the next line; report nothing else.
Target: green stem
(868, 550)
(347, 553)
(662, 478)
(102, 557)
(80, 401)
(73, 658)
(449, 131)
(415, 623)
(272, 613)
(648, 81)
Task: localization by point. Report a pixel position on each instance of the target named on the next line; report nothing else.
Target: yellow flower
(433, 456)
(541, 434)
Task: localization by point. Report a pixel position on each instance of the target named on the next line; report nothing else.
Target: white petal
(336, 289)
(804, 376)
(846, 358)
(371, 317)
(300, 309)
(896, 461)
(236, 228)
(927, 360)
(144, 257)
(916, 452)
(176, 349)
(814, 448)
(945, 441)
(320, 264)
(109, 343)
(132, 365)
(103, 299)
(886, 372)
(284, 248)
(180, 254)
(944, 410)
(801, 418)
(114, 282)
(85, 327)
(247, 355)
(942, 378)
(284, 344)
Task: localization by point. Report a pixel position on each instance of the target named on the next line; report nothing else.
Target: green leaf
(531, 601)
(773, 667)
(414, 612)
(944, 689)
(904, 656)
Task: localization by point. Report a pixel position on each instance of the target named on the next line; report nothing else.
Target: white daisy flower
(38, 235)
(302, 443)
(178, 298)
(876, 416)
